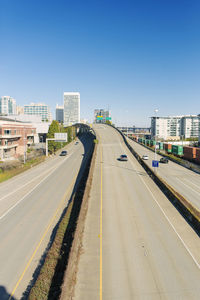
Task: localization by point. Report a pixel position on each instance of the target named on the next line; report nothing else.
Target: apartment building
(15, 137)
(38, 109)
(175, 127)
(190, 126)
(7, 105)
(71, 108)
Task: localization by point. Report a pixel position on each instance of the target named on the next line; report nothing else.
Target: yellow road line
(45, 233)
(101, 208)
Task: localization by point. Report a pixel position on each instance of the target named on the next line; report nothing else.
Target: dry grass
(15, 170)
(49, 281)
(40, 291)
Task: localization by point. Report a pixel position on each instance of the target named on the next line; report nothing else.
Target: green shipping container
(161, 146)
(148, 142)
(153, 143)
(177, 150)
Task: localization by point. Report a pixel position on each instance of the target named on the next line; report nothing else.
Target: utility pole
(155, 154)
(24, 146)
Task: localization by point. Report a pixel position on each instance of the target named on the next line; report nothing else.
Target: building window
(7, 131)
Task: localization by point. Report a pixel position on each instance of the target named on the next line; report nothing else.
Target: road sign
(155, 163)
(60, 136)
(108, 118)
(99, 117)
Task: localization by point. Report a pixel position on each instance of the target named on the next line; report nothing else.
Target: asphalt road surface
(184, 181)
(135, 245)
(30, 206)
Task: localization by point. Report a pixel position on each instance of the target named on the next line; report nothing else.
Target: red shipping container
(167, 146)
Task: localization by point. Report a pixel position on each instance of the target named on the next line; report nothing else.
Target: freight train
(186, 152)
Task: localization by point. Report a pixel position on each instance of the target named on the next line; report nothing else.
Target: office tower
(71, 108)
(7, 105)
(59, 114)
(38, 109)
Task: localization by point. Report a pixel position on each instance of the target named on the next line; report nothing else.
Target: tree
(53, 128)
(108, 122)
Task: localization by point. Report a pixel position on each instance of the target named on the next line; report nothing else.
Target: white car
(145, 157)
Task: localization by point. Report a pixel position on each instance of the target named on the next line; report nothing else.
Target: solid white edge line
(54, 167)
(186, 247)
(12, 207)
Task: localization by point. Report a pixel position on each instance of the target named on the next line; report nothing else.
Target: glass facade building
(71, 108)
(60, 114)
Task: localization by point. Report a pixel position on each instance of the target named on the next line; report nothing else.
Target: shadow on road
(4, 295)
(87, 142)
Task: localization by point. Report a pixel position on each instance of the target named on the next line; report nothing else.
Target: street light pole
(155, 155)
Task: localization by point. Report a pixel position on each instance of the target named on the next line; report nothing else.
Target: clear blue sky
(130, 56)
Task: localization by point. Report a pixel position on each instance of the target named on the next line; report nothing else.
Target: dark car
(164, 160)
(63, 153)
(123, 157)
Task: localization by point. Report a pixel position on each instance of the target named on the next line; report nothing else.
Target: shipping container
(160, 145)
(168, 147)
(148, 142)
(152, 143)
(189, 152)
(177, 150)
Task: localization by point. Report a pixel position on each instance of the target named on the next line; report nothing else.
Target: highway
(185, 181)
(30, 207)
(135, 244)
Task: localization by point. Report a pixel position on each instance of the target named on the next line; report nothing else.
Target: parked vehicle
(63, 153)
(123, 157)
(164, 160)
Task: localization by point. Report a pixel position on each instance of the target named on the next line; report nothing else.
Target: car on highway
(145, 157)
(164, 160)
(123, 157)
(63, 153)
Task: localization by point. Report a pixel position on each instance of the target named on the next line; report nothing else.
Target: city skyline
(129, 58)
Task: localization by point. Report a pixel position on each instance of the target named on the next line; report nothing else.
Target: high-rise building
(38, 109)
(7, 105)
(71, 108)
(59, 114)
(101, 116)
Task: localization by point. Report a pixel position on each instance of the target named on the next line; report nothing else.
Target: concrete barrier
(185, 207)
(72, 265)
